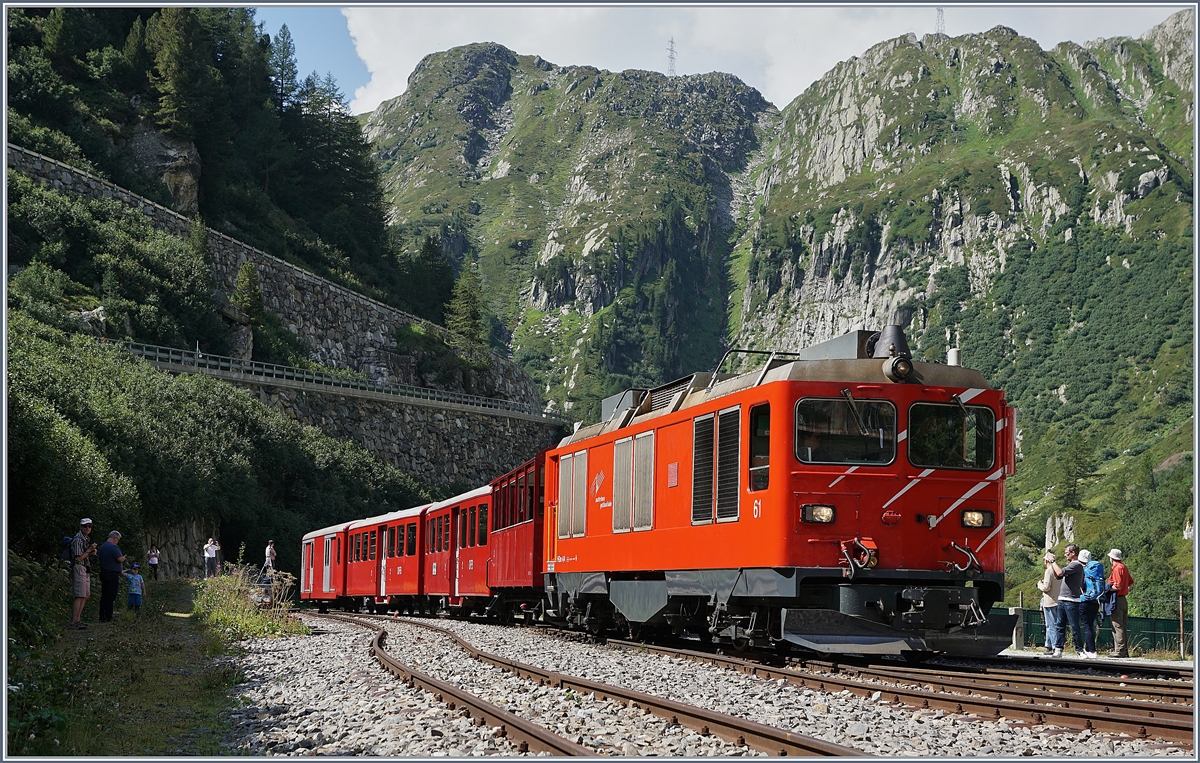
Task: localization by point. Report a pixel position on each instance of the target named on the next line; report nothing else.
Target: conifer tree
(247, 293)
(464, 314)
(286, 74)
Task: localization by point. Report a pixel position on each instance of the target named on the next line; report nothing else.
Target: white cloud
(780, 50)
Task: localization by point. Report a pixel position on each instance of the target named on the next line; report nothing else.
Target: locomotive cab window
(845, 430)
(760, 447)
(949, 436)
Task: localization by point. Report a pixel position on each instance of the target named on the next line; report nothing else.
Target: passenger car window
(943, 436)
(830, 431)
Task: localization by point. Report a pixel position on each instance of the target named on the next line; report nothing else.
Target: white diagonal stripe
(907, 487)
(839, 479)
(999, 527)
(993, 476)
(902, 436)
(999, 424)
(970, 394)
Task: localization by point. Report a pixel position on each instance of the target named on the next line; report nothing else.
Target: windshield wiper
(862, 428)
(966, 414)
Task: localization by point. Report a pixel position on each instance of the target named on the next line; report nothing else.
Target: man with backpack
(81, 583)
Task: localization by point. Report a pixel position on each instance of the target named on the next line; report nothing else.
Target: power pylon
(941, 22)
(671, 58)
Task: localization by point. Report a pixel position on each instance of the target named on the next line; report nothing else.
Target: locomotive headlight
(816, 512)
(975, 518)
(897, 369)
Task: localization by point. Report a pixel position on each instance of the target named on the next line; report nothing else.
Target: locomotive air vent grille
(643, 481)
(660, 398)
(622, 484)
(702, 470)
(728, 457)
(564, 497)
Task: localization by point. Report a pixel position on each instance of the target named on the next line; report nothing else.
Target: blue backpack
(1093, 580)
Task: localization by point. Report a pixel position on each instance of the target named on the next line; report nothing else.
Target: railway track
(1141, 708)
(737, 731)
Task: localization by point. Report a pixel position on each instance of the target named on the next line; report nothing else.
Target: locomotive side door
(383, 546)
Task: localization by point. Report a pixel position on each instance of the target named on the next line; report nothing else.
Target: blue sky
(322, 41)
(778, 49)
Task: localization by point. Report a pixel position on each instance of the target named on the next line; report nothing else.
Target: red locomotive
(840, 499)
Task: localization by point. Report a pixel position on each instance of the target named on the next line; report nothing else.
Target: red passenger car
(516, 543)
(844, 499)
(322, 572)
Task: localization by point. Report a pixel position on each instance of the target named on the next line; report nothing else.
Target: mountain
(1033, 208)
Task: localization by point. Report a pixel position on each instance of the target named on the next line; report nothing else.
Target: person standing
(111, 569)
(1089, 602)
(152, 559)
(82, 550)
(210, 558)
(1050, 586)
(270, 556)
(1068, 598)
(137, 588)
(1121, 581)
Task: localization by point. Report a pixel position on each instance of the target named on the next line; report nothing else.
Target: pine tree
(464, 314)
(285, 79)
(247, 294)
(185, 80)
(431, 280)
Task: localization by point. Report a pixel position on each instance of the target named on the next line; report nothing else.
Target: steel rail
(1075, 712)
(1182, 673)
(1162, 692)
(530, 736)
(739, 731)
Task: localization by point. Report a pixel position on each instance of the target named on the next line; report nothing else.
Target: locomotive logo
(597, 483)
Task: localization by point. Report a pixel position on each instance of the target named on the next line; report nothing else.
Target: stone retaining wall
(342, 328)
(438, 447)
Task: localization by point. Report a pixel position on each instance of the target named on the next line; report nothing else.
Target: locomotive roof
(700, 387)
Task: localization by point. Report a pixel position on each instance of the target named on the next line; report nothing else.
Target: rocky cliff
(630, 226)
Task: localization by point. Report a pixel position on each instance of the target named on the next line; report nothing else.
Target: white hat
(84, 521)
(1115, 554)
(1085, 556)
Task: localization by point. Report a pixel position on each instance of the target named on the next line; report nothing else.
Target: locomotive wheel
(740, 644)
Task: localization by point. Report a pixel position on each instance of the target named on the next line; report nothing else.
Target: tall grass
(240, 604)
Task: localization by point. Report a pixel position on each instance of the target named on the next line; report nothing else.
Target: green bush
(228, 605)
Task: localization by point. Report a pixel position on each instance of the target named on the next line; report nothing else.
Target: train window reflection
(411, 546)
(828, 431)
(948, 436)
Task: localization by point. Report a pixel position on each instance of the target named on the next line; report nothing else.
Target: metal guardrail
(269, 371)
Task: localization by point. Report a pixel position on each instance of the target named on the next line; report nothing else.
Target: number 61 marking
(757, 508)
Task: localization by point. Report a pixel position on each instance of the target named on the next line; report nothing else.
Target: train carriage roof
(339, 527)
(478, 492)
(384, 518)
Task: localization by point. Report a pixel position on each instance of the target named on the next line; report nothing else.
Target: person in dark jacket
(111, 569)
(1069, 596)
(1089, 604)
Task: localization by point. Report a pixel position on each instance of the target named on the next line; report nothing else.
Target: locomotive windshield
(827, 431)
(951, 436)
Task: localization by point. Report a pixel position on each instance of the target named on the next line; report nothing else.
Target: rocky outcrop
(182, 547)
(174, 162)
(1060, 528)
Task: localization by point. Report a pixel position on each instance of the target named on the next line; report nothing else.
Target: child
(137, 588)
